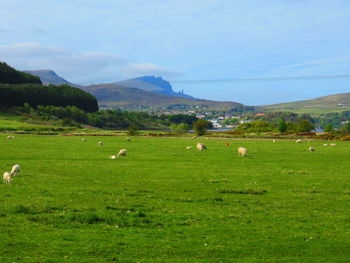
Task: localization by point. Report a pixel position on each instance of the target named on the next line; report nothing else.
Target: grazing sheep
(273, 140)
(298, 141)
(15, 170)
(325, 144)
(242, 151)
(194, 137)
(189, 147)
(122, 152)
(201, 146)
(10, 137)
(112, 157)
(100, 143)
(128, 139)
(227, 144)
(332, 144)
(83, 140)
(311, 149)
(7, 178)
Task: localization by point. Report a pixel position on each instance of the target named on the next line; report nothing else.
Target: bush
(200, 126)
(345, 137)
(305, 126)
(180, 128)
(329, 127)
(282, 126)
(133, 130)
(255, 126)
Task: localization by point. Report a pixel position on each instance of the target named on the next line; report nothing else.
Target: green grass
(163, 203)
(316, 112)
(19, 125)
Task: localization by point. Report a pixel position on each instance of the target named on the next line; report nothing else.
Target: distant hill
(146, 92)
(114, 96)
(337, 102)
(9, 75)
(154, 84)
(50, 77)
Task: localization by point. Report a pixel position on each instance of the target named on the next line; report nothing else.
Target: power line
(344, 76)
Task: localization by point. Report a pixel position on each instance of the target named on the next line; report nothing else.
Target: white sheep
(189, 147)
(7, 178)
(15, 170)
(112, 157)
(201, 146)
(273, 140)
(242, 151)
(100, 143)
(325, 144)
(122, 152)
(194, 137)
(311, 149)
(332, 144)
(298, 141)
(10, 137)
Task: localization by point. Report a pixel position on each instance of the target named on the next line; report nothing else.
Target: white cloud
(149, 69)
(79, 67)
(29, 49)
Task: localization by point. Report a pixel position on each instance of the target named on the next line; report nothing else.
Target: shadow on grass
(243, 192)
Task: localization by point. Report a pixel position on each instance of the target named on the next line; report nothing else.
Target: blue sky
(90, 42)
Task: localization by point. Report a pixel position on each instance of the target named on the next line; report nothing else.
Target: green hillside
(332, 103)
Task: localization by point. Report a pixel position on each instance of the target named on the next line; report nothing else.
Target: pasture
(163, 203)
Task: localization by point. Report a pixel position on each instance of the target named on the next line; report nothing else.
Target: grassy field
(163, 203)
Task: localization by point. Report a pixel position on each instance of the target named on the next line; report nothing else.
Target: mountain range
(153, 84)
(151, 92)
(147, 92)
(114, 96)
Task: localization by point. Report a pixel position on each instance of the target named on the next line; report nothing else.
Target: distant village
(221, 120)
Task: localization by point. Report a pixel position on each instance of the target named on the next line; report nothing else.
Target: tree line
(34, 94)
(17, 88)
(290, 122)
(10, 75)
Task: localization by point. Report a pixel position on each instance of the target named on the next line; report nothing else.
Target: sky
(91, 41)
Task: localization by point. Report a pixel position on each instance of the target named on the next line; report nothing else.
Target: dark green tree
(328, 128)
(347, 127)
(200, 126)
(305, 126)
(9, 75)
(133, 129)
(182, 118)
(282, 126)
